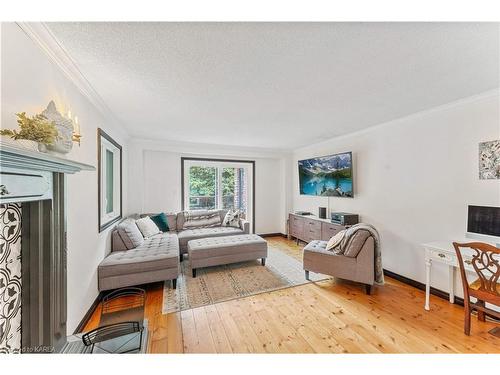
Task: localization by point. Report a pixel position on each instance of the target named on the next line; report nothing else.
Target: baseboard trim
(263, 235)
(89, 313)
(417, 284)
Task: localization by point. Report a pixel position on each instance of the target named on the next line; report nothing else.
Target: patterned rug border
(314, 276)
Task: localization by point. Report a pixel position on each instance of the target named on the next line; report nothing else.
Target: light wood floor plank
(271, 343)
(203, 332)
(217, 330)
(239, 320)
(189, 335)
(234, 335)
(174, 334)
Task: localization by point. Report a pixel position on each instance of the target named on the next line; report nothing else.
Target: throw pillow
(161, 221)
(356, 243)
(335, 240)
(130, 233)
(232, 219)
(147, 227)
(203, 219)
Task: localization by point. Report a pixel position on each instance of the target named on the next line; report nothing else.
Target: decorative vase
(64, 126)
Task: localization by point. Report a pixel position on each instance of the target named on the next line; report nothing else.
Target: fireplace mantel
(12, 156)
(27, 175)
(33, 194)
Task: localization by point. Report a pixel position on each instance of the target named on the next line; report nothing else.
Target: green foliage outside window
(202, 181)
(228, 175)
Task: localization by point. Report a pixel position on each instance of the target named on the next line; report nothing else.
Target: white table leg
(428, 264)
(452, 283)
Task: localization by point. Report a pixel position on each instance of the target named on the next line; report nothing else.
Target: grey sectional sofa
(135, 261)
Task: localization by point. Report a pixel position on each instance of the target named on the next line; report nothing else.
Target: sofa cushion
(147, 227)
(181, 216)
(232, 219)
(158, 252)
(129, 233)
(161, 221)
(317, 246)
(201, 219)
(194, 234)
(171, 219)
(335, 240)
(356, 243)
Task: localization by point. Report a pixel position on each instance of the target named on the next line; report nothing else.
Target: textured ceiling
(277, 85)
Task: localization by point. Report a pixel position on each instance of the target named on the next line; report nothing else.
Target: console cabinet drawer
(312, 234)
(313, 224)
(297, 231)
(329, 230)
(296, 226)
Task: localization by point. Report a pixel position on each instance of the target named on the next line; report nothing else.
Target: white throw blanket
(346, 240)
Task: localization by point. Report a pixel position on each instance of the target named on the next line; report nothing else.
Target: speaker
(322, 213)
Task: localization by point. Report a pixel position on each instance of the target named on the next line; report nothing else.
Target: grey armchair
(356, 265)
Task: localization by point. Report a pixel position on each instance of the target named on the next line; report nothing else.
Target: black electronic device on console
(322, 213)
(344, 218)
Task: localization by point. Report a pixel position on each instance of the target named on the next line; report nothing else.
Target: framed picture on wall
(109, 177)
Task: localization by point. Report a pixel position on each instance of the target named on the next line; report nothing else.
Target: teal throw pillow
(161, 221)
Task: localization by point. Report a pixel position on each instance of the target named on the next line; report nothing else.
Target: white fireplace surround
(32, 182)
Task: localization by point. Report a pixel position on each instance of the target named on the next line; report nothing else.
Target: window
(218, 184)
(109, 157)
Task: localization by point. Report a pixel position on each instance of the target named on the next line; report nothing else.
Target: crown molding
(213, 150)
(425, 112)
(43, 37)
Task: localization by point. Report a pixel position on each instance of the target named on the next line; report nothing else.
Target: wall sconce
(76, 129)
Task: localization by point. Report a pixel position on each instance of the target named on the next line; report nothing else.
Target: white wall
(29, 81)
(414, 177)
(156, 186)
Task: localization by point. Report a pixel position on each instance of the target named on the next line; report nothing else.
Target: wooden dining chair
(485, 260)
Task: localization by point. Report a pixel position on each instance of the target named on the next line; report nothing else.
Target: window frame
(209, 162)
(104, 141)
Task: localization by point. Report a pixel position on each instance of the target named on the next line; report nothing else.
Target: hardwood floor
(325, 317)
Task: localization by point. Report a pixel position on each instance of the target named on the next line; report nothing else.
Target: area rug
(227, 282)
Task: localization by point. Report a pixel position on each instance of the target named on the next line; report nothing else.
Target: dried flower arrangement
(35, 128)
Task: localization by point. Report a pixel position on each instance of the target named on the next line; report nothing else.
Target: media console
(309, 228)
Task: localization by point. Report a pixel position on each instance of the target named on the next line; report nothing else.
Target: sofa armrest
(365, 265)
(117, 243)
(245, 225)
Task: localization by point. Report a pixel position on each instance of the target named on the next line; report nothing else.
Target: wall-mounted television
(327, 176)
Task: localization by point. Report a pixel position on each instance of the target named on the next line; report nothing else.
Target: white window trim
(220, 165)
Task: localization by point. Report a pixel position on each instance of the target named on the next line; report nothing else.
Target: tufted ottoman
(215, 251)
